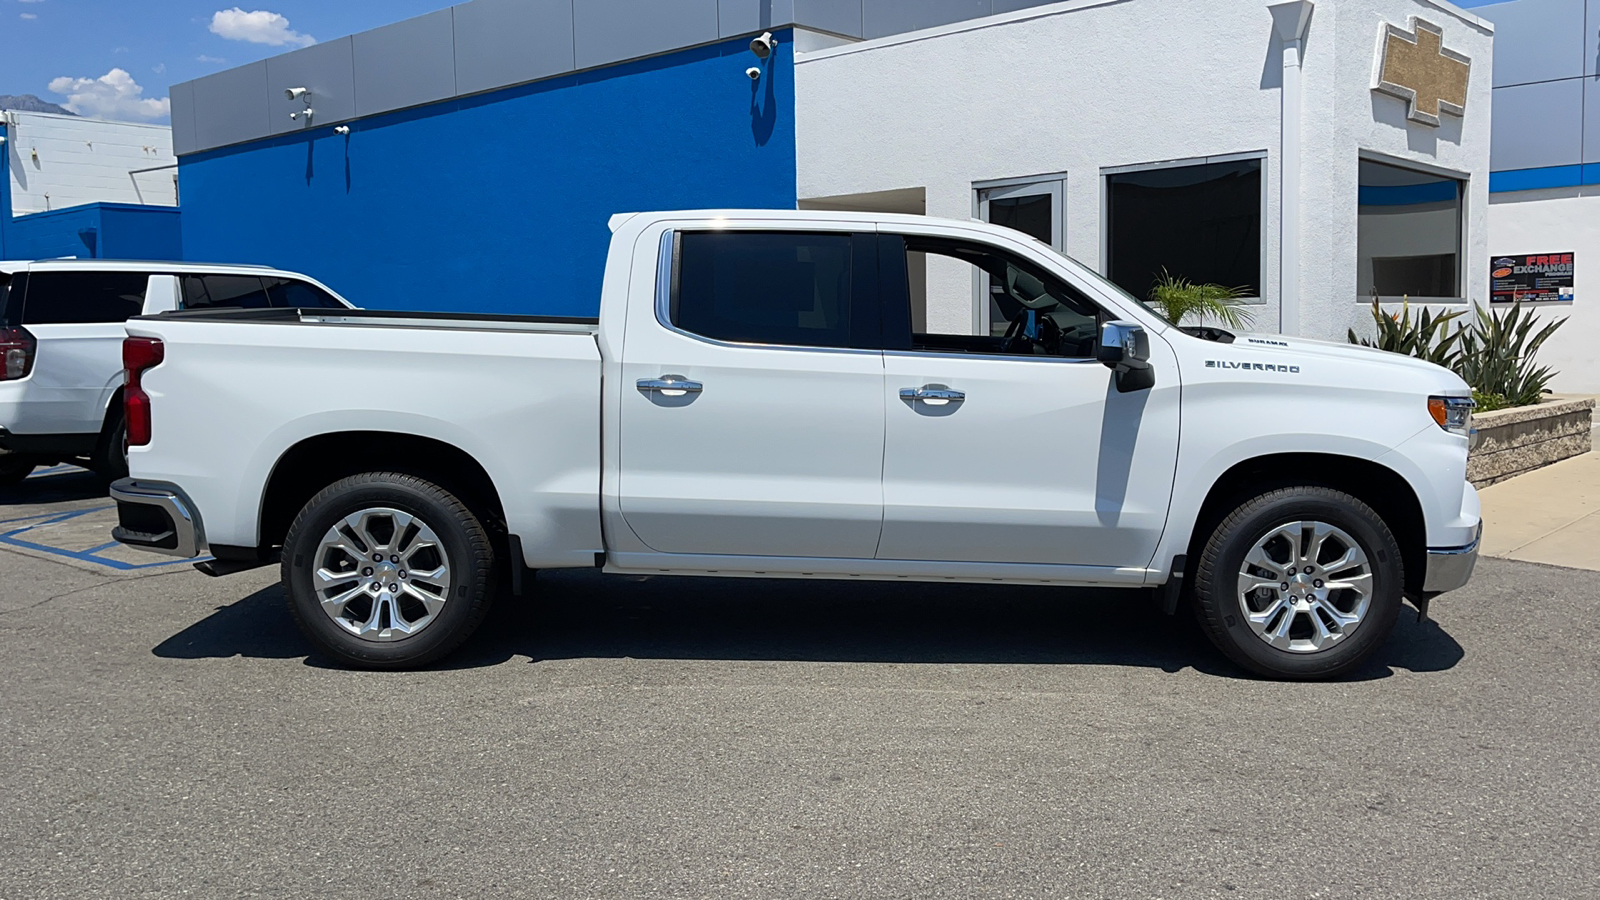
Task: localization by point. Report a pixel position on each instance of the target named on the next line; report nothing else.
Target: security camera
(296, 93)
(341, 129)
(304, 113)
(763, 46)
(754, 73)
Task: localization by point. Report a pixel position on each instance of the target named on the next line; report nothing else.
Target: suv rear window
(224, 292)
(288, 292)
(252, 292)
(59, 298)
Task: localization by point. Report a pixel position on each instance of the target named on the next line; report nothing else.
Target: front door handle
(670, 386)
(932, 394)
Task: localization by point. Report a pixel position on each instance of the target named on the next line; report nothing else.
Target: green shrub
(1177, 298)
(1494, 354)
(1497, 355)
(1428, 336)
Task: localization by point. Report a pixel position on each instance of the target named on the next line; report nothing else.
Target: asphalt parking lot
(166, 734)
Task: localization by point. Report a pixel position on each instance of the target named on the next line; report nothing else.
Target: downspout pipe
(1289, 23)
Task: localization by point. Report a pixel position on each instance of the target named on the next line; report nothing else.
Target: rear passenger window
(60, 298)
(764, 287)
(286, 292)
(223, 292)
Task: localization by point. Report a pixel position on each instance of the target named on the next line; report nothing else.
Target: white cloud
(29, 16)
(114, 95)
(158, 68)
(258, 27)
(210, 59)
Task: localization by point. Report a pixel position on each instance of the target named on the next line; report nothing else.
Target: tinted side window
(764, 287)
(79, 297)
(288, 292)
(223, 292)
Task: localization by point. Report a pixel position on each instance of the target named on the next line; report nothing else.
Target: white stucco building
(1240, 143)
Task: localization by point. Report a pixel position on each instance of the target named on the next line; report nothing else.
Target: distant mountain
(30, 103)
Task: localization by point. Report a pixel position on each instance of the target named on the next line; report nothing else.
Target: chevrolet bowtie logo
(1416, 67)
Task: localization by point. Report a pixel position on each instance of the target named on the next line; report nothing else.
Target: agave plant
(1177, 298)
(1428, 336)
(1497, 356)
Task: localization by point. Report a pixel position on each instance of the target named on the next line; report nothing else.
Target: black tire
(463, 543)
(110, 460)
(13, 469)
(1221, 608)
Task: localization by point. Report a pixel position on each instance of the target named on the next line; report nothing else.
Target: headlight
(1454, 414)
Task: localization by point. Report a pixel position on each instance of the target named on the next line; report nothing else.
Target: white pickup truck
(771, 394)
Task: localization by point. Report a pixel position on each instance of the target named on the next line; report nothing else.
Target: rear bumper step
(157, 516)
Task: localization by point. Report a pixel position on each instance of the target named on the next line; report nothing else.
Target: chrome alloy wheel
(381, 574)
(1305, 586)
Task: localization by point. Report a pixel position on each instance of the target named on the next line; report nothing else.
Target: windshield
(1098, 280)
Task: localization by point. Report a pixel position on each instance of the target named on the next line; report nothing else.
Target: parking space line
(91, 555)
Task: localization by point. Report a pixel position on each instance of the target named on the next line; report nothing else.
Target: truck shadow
(54, 485)
(582, 614)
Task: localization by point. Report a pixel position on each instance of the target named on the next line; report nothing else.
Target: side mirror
(1125, 349)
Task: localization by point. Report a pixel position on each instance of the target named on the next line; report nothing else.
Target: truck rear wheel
(387, 571)
(1300, 583)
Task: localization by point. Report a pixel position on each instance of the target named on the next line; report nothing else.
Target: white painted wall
(59, 161)
(1086, 85)
(1545, 221)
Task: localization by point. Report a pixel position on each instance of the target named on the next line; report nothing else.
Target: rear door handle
(932, 394)
(670, 386)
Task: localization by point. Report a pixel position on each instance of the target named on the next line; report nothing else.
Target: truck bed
(237, 390)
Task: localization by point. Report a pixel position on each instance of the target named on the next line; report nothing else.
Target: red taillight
(17, 347)
(138, 354)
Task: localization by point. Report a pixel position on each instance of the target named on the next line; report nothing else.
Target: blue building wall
(499, 202)
(1546, 130)
(89, 231)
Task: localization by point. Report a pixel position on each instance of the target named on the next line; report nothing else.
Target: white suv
(61, 331)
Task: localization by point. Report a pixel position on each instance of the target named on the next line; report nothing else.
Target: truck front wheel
(1300, 583)
(387, 571)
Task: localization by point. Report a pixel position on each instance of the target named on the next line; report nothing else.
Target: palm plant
(1426, 337)
(1177, 298)
(1497, 356)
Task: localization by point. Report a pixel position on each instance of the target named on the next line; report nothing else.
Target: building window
(1201, 222)
(1408, 238)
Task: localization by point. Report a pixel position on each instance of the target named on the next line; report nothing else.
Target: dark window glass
(1032, 215)
(1033, 313)
(1408, 233)
(764, 287)
(1200, 222)
(223, 292)
(79, 297)
(288, 292)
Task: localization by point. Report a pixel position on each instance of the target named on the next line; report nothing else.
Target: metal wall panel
(231, 106)
(182, 98)
(1001, 6)
(405, 64)
(744, 16)
(1591, 46)
(1536, 40)
(608, 31)
(1591, 121)
(501, 42)
(1537, 125)
(327, 69)
(882, 17)
(838, 16)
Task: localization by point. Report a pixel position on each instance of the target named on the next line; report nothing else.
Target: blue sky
(66, 51)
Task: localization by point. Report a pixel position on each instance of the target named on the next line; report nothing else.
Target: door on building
(1035, 207)
(1014, 447)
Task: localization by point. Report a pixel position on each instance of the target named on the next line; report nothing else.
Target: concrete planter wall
(1521, 439)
